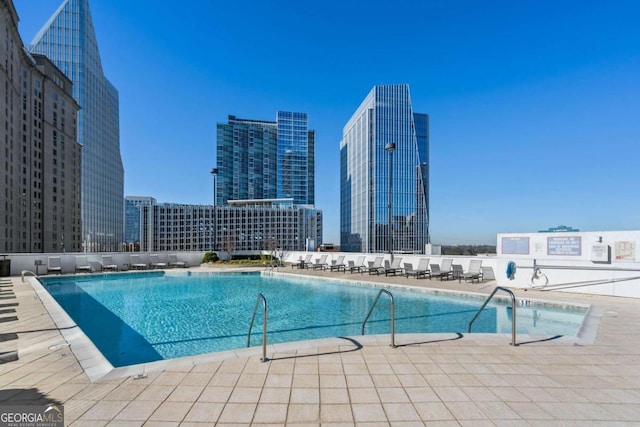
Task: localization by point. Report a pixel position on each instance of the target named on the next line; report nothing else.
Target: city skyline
(533, 106)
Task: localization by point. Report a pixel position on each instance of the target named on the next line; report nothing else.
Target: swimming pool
(143, 317)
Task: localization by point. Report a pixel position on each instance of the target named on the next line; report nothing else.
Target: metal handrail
(393, 316)
(513, 312)
(262, 299)
(577, 267)
(25, 272)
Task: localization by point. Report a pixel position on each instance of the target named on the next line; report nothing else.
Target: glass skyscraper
(385, 116)
(68, 39)
(258, 159)
(295, 158)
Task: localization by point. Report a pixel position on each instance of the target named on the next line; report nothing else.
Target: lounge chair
(436, 272)
(338, 265)
(302, 263)
(107, 263)
(173, 261)
(474, 271)
(394, 268)
(136, 264)
(321, 263)
(358, 265)
(154, 262)
(82, 265)
(376, 266)
(487, 274)
(447, 267)
(421, 271)
(54, 265)
(457, 270)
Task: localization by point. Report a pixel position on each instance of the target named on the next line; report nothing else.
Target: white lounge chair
(422, 270)
(173, 261)
(82, 265)
(436, 272)
(447, 268)
(302, 263)
(107, 263)
(338, 264)
(54, 265)
(376, 266)
(487, 274)
(393, 268)
(358, 265)
(154, 262)
(321, 263)
(474, 272)
(136, 264)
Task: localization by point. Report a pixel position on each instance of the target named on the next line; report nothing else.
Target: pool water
(143, 317)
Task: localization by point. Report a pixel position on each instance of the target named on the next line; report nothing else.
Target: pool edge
(97, 367)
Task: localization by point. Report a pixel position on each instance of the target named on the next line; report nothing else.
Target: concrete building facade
(241, 226)
(40, 155)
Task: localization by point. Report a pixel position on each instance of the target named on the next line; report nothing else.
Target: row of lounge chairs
(446, 271)
(83, 265)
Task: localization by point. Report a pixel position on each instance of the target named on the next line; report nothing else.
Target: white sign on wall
(515, 245)
(600, 252)
(566, 245)
(625, 251)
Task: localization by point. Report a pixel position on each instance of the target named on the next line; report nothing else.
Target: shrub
(209, 257)
(245, 257)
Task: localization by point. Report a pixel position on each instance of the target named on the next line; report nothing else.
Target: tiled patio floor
(430, 379)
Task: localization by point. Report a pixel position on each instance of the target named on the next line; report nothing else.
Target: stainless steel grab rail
(262, 299)
(25, 272)
(393, 315)
(513, 312)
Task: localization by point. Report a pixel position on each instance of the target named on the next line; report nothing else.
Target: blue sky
(534, 105)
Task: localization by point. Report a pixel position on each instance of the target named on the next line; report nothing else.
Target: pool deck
(428, 380)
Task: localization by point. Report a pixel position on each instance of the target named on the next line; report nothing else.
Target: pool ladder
(393, 315)
(513, 312)
(27, 272)
(263, 300)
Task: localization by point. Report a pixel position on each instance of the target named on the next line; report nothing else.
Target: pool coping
(97, 367)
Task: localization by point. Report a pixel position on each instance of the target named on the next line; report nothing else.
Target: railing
(393, 315)
(539, 280)
(24, 272)
(262, 299)
(513, 312)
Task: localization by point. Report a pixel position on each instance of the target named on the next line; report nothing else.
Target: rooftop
(429, 379)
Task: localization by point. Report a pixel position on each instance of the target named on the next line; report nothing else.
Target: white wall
(20, 262)
(600, 263)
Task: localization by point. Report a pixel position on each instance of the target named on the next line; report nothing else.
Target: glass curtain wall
(385, 116)
(68, 39)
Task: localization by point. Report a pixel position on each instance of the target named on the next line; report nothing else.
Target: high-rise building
(133, 220)
(245, 226)
(296, 154)
(69, 40)
(40, 156)
(258, 159)
(369, 171)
